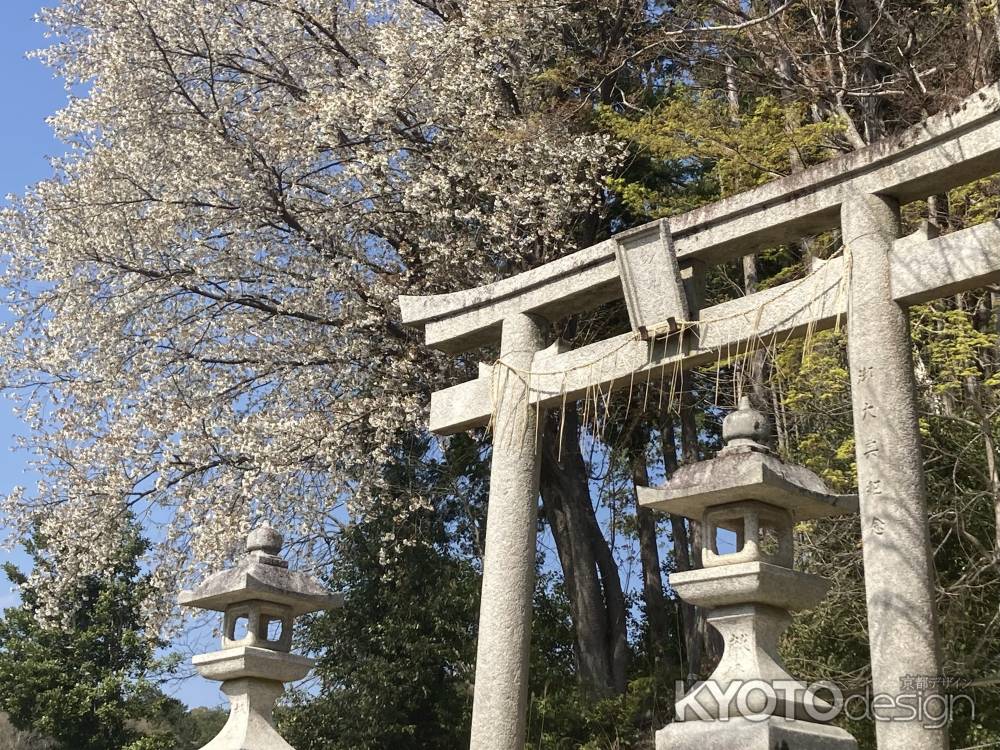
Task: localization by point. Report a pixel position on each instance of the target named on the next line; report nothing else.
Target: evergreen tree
(84, 682)
(396, 663)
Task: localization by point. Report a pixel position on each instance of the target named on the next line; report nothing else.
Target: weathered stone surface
(265, 576)
(251, 717)
(749, 605)
(751, 633)
(742, 734)
(749, 520)
(899, 569)
(924, 268)
(499, 709)
(758, 582)
(265, 596)
(252, 661)
(465, 320)
(651, 279)
(921, 270)
(745, 427)
(947, 150)
(749, 475)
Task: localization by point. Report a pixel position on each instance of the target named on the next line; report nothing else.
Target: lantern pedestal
(251, 716)
(253, 679)
(749, 604)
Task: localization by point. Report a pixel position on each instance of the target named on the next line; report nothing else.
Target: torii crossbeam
(655, 269)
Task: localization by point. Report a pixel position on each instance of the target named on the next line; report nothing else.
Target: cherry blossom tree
(203, 296)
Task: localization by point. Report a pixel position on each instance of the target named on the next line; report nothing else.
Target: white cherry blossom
(205, 325)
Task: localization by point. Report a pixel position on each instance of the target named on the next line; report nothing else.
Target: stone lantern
(749, 701)
(259, 599)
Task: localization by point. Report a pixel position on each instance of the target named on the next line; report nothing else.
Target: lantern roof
(262, 575)
(746, 469)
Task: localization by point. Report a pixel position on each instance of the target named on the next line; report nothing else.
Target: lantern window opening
(239, 627)
(727, 534)
(272, 628)
(757, 531)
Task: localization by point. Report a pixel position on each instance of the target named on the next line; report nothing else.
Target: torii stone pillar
(501, 694)
(899, 565)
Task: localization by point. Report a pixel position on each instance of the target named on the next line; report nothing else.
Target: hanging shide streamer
(597, 404)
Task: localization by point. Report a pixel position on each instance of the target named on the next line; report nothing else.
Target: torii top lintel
(952, 148)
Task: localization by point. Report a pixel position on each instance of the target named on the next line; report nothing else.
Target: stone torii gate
(656, 269)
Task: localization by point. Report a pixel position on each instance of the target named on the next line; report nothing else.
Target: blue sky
(32, 94)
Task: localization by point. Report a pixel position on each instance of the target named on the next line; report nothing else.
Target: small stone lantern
(259, 599)
(750, 492)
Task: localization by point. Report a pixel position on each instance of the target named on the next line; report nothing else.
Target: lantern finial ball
(265, 539)
(745, 426)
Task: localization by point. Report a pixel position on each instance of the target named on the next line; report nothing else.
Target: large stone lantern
(259, 599)
(750, 701)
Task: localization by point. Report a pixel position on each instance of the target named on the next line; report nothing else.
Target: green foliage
(952, 346)
(814, 382)
(561, 714)
(85, 685)
(692, 149)
(199, 725)
(396, 663)
(180, 728)
(152, 742)
(976, 202)
(564, 718)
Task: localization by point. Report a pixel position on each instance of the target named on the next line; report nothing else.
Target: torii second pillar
(899, 566)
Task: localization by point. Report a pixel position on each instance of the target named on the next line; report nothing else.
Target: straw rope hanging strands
(754, 341)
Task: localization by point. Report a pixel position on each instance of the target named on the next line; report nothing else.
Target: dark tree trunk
(701, 647)
(682, 560)
(590, 573)
(657, 614)
(865, 13)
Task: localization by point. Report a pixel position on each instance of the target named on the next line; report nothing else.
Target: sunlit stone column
(501, 693)
(899, 566)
